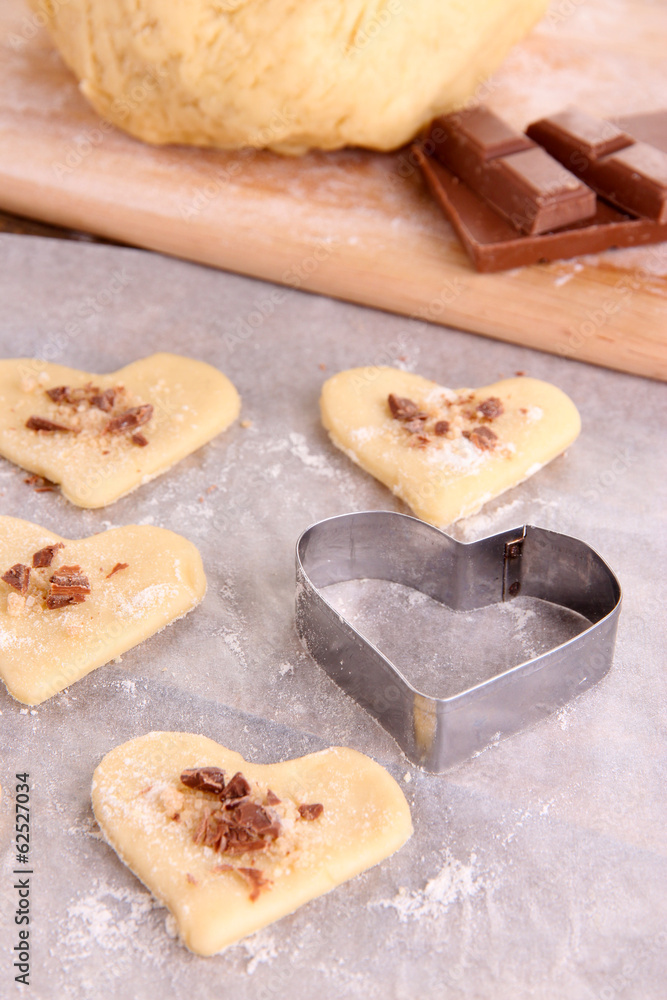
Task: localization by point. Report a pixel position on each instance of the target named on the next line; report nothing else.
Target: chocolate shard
(128, 420)
(59, 394)
(139, 440)
(404, 409)
(529, 188)
(482, 437)
(69, 580)
(54, 601)
(253, 819)
(631, 175)
(104, 400)
(241, 846)
(491, 408)
(216, 831)
(415, 426)
(45, 556)
(311, 810)
(271, 798)
(117, 568)
(41, 424)
(237, 788)
(204, 779)
(66, 394)
(256, 880)
(441, 427)
(18, 577)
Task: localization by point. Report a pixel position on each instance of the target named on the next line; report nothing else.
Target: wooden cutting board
(354, 225)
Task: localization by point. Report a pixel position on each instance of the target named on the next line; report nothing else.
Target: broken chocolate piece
(61, 600)
(237, 788)
(69, 580)
(18, 577)
(45, 556)
(41, 424)
(511, 173)
(441, 428)
(139, 440)
(271, 798)
(136, 416)
(311, 811)
(104, 400)
(415, 426)
(65, 394)
(253, 819)
(253, 877)
(204, 779)
(491, 408)
(117, 568)
(631, 175)
(402, 408)
(482, 437)
(60, 394)
(256, 879)
(68, 585)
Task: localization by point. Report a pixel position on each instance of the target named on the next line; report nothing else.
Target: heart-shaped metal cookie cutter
(435, 733)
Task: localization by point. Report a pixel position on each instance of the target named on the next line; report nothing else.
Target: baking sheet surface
(537, 869)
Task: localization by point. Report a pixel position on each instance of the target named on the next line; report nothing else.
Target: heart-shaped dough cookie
(69, 606)
(186, 843)
(446, 452)
(101, 436)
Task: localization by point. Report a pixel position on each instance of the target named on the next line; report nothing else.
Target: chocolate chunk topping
(18, 577)
(65, 394)
(104, 400)
(441, 428)
(238, 842)
(239, 824)
(69, 580)
(491, 408)
(204, 779)
(237, 788)
(256, 879)
(403, 408)
(311, 811)
(415, 426)
(40, 424)
(90, 394)
(253, 819)
(271, 798)
(45, 556)
(60, 394)
(68, 585)
(117, 568)
(482, 437)
(139, 440)
(61, 600)
(136, 416)
(253, 877)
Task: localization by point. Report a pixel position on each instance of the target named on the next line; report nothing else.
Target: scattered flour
(259, 947)
(454, 881)
(318, 463)
(109, 919)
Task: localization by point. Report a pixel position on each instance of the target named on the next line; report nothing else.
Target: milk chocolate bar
(630, 174)
(521, 181)
(493, 244)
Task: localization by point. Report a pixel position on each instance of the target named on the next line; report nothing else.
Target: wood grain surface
(352, 224)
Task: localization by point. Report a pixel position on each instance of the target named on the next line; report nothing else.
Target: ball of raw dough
(284, 74)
